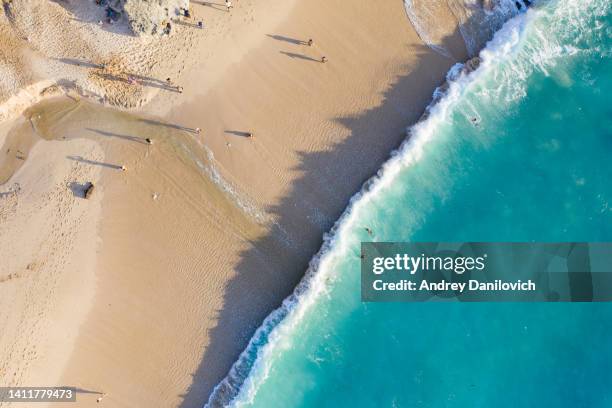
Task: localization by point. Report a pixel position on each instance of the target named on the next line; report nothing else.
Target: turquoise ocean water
(536, 166)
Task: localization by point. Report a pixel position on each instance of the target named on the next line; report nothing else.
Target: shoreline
(141, 333)
(313, 197)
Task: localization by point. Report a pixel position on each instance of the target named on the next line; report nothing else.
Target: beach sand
(158, 281)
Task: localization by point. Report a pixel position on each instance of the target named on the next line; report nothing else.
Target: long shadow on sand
(240, 133)
(295, 55)
(216, 6)
(169, 125)
(79, 63)
(143, 80)
(94, 163)
(119, 136)
(287, 39)
(274, 264)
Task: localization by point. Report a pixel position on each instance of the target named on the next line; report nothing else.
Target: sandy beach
(146, 293)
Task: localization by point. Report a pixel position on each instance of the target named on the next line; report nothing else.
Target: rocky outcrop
(87, 48)
(152, 16)
(471, 65)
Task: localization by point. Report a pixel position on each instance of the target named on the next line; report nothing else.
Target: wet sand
(204, 234)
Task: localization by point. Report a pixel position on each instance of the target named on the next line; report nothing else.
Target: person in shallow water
(520, 6)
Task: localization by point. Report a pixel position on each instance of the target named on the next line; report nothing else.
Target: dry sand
(48, 241)
(145, 294)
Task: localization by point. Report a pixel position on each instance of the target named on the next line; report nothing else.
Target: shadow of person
(119, 136)
(215, 6)
(299, 56)
(238, 133)
(287, 39)
(94, 162)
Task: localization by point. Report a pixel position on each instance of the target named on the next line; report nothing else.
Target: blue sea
(518, 150)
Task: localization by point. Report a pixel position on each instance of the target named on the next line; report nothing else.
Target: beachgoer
(123, 168)
(323, 59)
(250, 135)
(200, 24)
(198, 130)
(187, 13)
(310, 42)
(228, 5)
(369, 231)
(179, 89)
(149, 141)
(168, 28)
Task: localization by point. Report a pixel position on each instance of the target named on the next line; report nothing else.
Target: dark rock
(88, 191)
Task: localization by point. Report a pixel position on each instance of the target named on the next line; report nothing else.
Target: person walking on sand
(170, 85)
(228, 4)
(310, 42)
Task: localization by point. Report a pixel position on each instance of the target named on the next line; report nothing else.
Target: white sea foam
(276, 333)
(476, 24)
